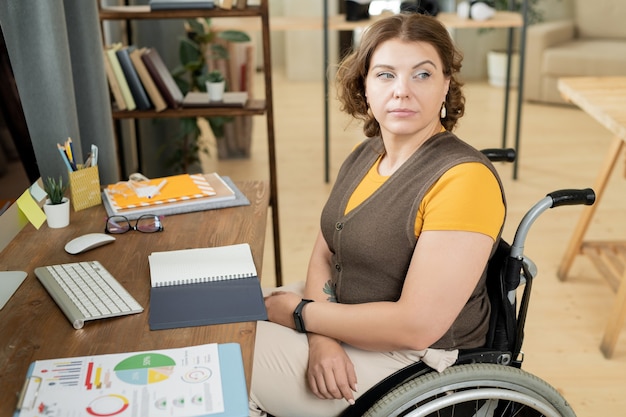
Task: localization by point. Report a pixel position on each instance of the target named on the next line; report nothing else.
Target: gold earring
(443, 111)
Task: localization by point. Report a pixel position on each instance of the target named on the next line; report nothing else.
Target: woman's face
(405, 87)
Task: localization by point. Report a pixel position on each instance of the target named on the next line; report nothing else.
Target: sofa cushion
(601, 18)
(585, 58)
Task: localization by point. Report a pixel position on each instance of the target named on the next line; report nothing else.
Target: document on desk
(197, 287)
(203, 380)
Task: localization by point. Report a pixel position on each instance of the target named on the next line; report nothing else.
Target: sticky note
(37, 192)
(29, 208)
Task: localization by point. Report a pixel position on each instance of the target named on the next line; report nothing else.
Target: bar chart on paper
(63, 373)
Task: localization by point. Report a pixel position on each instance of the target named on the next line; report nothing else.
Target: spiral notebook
(197, 287)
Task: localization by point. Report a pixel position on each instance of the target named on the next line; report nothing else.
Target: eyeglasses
(148, 223)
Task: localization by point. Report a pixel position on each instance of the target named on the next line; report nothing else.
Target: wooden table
(33, 327)
(603, 98)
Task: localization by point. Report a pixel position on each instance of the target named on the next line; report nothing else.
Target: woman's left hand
(280, 306)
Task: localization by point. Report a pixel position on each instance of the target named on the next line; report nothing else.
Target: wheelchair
(488, 381)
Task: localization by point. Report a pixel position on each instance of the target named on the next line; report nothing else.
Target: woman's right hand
(330, 373)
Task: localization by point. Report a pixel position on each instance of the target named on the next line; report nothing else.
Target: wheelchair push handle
(500, 154)
(572, 197)
(557, 198)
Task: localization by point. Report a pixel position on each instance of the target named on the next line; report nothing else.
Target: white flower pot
(215, 90)
(57, 215)
(496, 68)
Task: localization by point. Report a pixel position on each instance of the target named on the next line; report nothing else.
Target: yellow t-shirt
(467, 197)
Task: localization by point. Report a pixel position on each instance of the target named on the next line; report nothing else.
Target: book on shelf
(241, 4)
(202, 286)
(116, 91)
(201, 380)
(201, 99)
(181, 4)
(119, 75)
(162, 77)
(136, 88)
(146, 79)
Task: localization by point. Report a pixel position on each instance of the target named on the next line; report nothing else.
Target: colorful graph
(64, 373)
(96, 377)
(197, 374)
(108, 405)
(145, 368)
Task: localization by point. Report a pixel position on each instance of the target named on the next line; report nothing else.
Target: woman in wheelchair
(397, 273)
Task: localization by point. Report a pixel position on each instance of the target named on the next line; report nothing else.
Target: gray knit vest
(373, 244)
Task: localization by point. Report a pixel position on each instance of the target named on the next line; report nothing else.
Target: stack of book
(140, 80)
(181, 4)
(200, 4)
(171, 195)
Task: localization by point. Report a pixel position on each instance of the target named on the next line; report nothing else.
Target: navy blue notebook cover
(233, 379)
(201, 304)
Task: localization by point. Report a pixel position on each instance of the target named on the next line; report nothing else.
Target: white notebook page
(190, 266)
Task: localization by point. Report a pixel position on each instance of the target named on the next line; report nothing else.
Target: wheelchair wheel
(476, 390)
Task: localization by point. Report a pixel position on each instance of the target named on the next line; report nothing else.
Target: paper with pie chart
(182, 382)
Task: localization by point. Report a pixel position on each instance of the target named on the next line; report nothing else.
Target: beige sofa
(592, 43)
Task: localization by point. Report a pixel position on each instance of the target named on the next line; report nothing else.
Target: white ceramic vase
(57, 215)
(496, 67)
(215, 90)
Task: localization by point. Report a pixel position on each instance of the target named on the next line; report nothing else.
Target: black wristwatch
(297, 315)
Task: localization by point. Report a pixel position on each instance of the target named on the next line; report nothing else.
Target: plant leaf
(196, 27)
(234, 36)
(188, 51)
(219, 51)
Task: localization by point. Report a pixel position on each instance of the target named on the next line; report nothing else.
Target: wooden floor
(561, 148)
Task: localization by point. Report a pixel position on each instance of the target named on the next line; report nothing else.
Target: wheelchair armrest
(466, 356)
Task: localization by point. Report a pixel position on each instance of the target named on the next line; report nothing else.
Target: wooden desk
(603, 98)
(33, 327)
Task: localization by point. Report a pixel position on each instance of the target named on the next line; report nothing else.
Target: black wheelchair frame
(487, 381)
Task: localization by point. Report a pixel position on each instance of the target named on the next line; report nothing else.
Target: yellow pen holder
(85, 188)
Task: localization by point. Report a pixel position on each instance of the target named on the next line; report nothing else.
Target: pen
(158, 188)
(69, 150)
(64, 157)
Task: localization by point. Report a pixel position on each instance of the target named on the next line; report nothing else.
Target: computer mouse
(87, 242)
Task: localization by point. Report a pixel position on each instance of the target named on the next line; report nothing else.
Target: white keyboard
(86, 291)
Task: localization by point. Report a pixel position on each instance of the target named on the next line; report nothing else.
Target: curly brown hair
(411, 27)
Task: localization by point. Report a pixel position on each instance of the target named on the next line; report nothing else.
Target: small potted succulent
(215, 84)
(57, 206)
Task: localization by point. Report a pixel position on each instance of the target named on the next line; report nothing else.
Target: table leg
(615, 322)
(588, 211)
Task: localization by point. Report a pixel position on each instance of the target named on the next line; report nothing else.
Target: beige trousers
(279, 386)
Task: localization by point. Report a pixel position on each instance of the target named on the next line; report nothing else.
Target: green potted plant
(57, 206)
(215, 83)
(202, 46)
